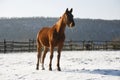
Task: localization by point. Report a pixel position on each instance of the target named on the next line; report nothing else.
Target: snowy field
(75, 65)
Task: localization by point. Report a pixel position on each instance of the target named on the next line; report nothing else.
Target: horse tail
(39, 47)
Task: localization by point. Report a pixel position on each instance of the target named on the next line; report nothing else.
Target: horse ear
(66, 10)
(71, 10)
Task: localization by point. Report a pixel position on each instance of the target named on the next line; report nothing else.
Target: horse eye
(68, 14)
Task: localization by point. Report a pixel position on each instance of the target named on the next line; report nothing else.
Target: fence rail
(30, 45)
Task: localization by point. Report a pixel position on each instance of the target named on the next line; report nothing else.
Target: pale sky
(95, 9)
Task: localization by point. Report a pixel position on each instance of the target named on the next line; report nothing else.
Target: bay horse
(50, 37)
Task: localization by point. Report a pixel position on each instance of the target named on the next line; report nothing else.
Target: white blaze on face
(71, 25)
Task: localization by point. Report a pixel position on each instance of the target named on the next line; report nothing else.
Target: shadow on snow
(111, 72)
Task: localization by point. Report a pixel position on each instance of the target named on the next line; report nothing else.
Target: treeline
(85, 29)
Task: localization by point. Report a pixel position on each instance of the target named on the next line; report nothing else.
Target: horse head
(69, 18)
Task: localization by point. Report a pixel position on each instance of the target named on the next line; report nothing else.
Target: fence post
(12, 46)
(70, 45)
(4, 46)
(83, 44)
(106, 45)
(32, 46)
(29, 46)
(92, 45)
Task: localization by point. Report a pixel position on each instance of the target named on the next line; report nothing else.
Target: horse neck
(60, 25)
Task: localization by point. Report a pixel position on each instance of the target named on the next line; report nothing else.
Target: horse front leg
(58, 61)
(58, 56)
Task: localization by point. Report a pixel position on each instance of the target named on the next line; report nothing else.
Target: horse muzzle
(72, 24)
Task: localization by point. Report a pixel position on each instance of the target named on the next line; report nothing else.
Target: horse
(51, 37)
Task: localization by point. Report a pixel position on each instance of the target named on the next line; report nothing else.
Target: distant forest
(22, 29)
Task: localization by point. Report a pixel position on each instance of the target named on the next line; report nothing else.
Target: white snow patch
(75, 65)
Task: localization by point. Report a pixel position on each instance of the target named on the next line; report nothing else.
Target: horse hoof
(50, 69)
(59, 69)
(37, 68)
(43, 68)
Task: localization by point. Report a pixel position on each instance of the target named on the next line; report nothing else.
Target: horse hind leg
(43, 57)
(51, 57)
(39, 50)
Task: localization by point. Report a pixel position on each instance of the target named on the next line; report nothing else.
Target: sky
(95, 9)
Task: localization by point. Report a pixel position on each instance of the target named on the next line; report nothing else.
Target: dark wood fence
(17, 46)
(30, 45)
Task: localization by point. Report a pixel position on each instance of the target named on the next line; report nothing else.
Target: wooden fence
(17, 46)
(30, 45)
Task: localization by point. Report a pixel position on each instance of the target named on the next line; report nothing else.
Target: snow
(75, 65)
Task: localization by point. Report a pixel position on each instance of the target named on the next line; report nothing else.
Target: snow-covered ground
(75, 65)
